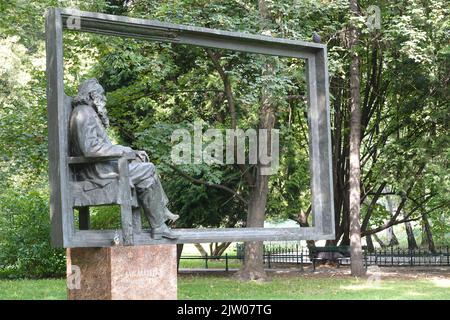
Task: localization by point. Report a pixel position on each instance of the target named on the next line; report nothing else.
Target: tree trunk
(220, 248)
(412, 244)
(427, 235)
(253, 267)
(369, 242)
(380, 242)
(357, 265)
(391, 238)
(302, 220)
(345, 241)
(200, 249)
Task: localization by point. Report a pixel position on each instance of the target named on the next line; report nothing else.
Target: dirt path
(325, 271)
(438, 274)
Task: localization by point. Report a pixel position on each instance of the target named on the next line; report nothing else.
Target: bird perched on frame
(316, 37)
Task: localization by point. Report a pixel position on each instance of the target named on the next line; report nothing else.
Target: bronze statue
(88, 138)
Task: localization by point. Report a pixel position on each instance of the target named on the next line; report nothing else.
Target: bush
(25, 249)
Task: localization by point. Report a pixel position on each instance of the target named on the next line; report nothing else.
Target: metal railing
(389, 257)
(277, 256)
(206, 258)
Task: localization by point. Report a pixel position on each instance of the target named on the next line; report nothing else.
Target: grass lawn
(320, 288)
(280, 287)
(212, 264)
(33, 289)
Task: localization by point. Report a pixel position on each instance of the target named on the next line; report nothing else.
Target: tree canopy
(154, 88)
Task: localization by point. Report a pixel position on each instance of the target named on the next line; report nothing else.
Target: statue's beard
(102, 114)
(104, 119)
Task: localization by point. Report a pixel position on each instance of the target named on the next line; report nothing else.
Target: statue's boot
(171, 216)
(168, 215)
(154, 206)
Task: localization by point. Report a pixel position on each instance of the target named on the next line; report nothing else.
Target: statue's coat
(88, 138)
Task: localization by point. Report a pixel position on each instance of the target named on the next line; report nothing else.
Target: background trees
(154, 88)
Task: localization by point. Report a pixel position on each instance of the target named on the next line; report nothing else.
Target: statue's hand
(126, 150)
(142, 155)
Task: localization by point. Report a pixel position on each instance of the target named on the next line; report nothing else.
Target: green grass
(280, 287)
(212, 264)
(285, 288)
(53, 289)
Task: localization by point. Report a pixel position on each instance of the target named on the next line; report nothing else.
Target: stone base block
(122, 273)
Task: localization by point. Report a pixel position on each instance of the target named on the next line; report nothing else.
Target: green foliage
(104, 218)
(25, 250)
(154, 88)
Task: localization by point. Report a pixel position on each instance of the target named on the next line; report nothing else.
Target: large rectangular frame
(63, 231)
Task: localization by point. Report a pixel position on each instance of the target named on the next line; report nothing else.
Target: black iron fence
(207, 259)
(279, 257)
(404, 257)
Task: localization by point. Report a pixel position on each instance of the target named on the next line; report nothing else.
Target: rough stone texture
(125, 272)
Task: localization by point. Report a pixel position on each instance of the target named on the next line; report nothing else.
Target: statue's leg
(152, 197)
(168, 214)
(144, 175)
(152, 200)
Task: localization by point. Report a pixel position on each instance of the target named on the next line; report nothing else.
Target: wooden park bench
(333, 253)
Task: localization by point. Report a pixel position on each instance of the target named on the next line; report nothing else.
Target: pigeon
(316, 37)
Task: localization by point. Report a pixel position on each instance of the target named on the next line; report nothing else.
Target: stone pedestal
(122, 272)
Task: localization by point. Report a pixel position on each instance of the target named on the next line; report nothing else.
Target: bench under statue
(102, 173)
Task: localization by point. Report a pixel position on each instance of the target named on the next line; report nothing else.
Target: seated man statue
(88, 138)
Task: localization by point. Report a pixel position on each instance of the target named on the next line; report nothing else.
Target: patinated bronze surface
(61, 163)
(88, 138)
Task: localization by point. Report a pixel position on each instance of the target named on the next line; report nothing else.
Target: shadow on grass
(299, 287)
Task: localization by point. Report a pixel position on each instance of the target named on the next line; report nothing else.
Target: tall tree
(253, 266)
(412, 244)
(391, 237)
(357, 265)
(427, 235)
